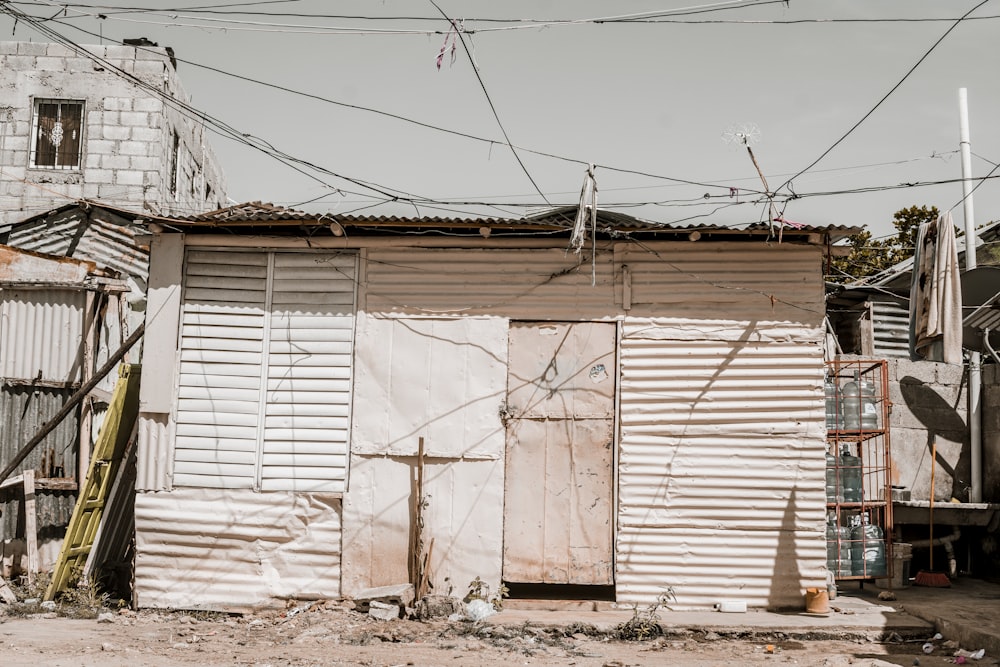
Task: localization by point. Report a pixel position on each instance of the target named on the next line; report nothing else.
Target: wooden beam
(73, 401)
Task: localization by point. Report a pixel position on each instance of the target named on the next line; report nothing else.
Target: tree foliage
(869, 255)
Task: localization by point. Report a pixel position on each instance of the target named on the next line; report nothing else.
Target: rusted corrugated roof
(88, 231)
(27, 266)
(254, 211)
(561, 218)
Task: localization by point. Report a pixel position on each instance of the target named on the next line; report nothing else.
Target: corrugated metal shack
(646, 414)
(72, 285)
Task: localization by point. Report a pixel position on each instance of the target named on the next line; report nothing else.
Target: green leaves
(869, 255)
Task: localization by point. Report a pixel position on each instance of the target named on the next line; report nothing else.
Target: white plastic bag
(478, 610)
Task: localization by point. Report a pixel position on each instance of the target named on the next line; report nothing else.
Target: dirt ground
(333, 634)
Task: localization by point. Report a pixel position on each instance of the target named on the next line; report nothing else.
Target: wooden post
(30, 524)
(86, 372)
(418, 524)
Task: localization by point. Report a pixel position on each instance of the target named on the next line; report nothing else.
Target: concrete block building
(101, 123)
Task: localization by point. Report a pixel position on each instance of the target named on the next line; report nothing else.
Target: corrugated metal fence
(23, 410)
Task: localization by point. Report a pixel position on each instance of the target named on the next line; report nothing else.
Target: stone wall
(127, 134)
(929, 404)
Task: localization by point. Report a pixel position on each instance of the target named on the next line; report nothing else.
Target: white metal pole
(975, 358)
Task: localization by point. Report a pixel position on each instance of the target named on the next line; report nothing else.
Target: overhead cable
(884, 97)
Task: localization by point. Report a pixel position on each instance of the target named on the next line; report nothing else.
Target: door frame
(617, 322)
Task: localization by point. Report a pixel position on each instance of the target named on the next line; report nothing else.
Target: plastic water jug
(850, 404)
(869, 409)
(834, 420)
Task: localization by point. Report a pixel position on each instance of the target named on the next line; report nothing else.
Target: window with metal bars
(57, 134)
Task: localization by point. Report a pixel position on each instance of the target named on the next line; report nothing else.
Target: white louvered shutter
(222, 333)
(309, 373)
(266, 354)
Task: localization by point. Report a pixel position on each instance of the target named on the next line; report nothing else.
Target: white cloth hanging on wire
(936, 294)
(585, 212)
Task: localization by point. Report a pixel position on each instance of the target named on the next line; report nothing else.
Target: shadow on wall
(787, 582)
(943, 424)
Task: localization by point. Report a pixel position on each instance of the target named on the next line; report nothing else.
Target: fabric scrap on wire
(585, 212)
(452, 36)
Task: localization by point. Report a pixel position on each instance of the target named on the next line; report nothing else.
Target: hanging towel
(936, 294)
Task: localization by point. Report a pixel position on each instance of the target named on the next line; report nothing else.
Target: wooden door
(559, 453)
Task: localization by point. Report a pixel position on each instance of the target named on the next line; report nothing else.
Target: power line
(214, 124)
(722, 184)
(884, 97)
(513, 23)
(320, 98)
(475, 68)
(518, 23)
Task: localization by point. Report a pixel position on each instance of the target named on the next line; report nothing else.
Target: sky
(657, 96)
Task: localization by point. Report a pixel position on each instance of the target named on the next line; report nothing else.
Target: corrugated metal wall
(23, 411)
(547, 284)
(40, 334)
(721, 469)
(890, 329)
(724, 281)
(106, 239)
(722, 400)
(233, 549)
(155, 452)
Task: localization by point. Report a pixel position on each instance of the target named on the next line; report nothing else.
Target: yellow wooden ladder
(105, 462)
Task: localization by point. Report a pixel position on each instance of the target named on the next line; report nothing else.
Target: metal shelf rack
(858, 470)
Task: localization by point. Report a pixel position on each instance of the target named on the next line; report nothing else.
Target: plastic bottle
(834, 486)
(850, 404)
(833, 418)
(850, 476)
(868, 549)
(869, 409)
(838, 548)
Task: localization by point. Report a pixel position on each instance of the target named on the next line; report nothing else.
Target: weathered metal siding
(464, 517)
(232, 549)
(23, 411)
(154, 461)
(721, 469)
(547, 284)
(890, 330)
(41, 334)
(441, 379)
(723, 281)
(106, 239)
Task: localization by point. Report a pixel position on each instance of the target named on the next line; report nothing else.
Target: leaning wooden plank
(73, 401)
(105, 460)
(13, 481)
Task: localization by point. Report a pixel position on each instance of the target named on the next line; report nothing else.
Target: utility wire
(884, 97)
(678, 181)
(216, 125)
(976, 187)
(475, 68)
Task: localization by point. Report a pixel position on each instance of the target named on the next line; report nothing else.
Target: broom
(929, 577)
